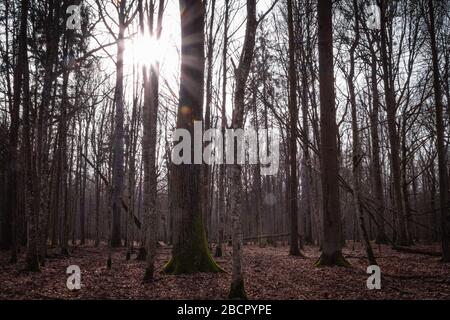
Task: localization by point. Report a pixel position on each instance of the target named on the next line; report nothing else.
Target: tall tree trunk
(209, 78)
(190, 250)
(48, 101)
(32, 202)
(440, 141)
(131, 156)
(222, 167)
(151, 104)
(118, 160)
(357, 156)
(399, 209)
(332, 228)
(63, 162)
(293, 120)
(32, 258)
(306, 178)
(97, 210)
(83, 176)
(237, 290)
(6, 219)
(10, 218)
(257, 174)
(381, 237)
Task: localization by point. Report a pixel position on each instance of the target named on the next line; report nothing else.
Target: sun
(145, 50)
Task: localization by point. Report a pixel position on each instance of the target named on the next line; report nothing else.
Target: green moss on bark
(192, 255)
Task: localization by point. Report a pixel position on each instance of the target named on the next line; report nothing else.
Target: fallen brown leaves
(270, 274)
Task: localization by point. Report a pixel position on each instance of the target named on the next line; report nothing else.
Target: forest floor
(270, 273)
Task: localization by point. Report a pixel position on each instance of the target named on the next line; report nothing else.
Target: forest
(225, 149)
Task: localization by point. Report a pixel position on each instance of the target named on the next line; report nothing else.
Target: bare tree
(332, 228)
(149, 142)
(242, 71)
(293, 117)
(392, 127)
(441, 148)
(357, 156)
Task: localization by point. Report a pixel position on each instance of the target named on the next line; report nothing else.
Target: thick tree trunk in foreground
(6, 218)
(440, 137)
(10, 215)
(32, 203)
(190, 251)
(332, 228)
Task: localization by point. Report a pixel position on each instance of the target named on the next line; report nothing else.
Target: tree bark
(32, 258)
(10, 217)
(222, 168)
(190, 251)
(209, 78)
(237, 290)
(332, 228)
(399, 204)
(293, 120)
(118, 159)
(150, 118)
(381, 237)
(357, 156)
(440, 141)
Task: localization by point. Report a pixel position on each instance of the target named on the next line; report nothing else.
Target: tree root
(178, 266)
(336, 259)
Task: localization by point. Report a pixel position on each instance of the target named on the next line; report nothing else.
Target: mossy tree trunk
(190, 250)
